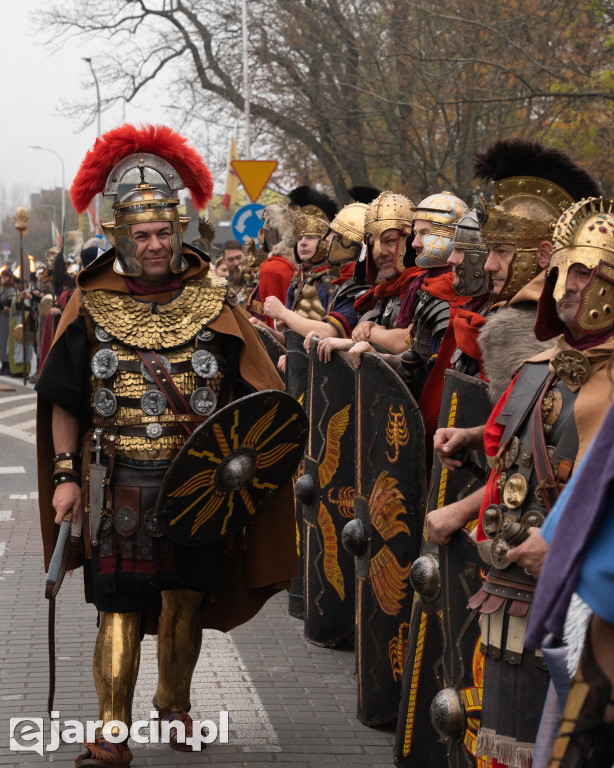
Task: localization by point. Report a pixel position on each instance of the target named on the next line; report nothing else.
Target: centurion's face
(153, 248)
(578, 278)
(497, 264)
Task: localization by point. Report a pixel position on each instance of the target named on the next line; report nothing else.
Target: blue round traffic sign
(247, 221)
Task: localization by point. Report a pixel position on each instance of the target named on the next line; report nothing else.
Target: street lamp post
(98, 130)
(58, 155)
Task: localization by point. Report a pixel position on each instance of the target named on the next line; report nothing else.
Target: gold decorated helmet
(443, 210)
(389, 210)
(127, 148)
(314, 212)
(532, 186)
(584, 234)
(348, 228)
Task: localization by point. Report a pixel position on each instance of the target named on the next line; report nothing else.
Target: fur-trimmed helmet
(124, 149)
(443, 210)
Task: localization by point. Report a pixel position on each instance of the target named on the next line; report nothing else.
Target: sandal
(165, 715)
(104, 753)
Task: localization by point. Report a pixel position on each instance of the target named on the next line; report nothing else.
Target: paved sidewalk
(289, 702)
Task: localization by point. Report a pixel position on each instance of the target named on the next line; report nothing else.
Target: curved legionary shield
(297, 375)
(442, 681)
(231, 467)
(385, 533)
(326, 491)
(274, 349)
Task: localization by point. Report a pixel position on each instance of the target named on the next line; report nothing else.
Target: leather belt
(175, 429)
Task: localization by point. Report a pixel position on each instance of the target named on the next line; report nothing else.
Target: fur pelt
(506, 340)
(574, 634)
(281, 217)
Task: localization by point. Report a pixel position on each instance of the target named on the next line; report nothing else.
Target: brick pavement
(289, 702)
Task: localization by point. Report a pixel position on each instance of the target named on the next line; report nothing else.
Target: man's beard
(566, 309)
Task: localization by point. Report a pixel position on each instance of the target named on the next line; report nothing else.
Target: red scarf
(347, 271)
(394, 286)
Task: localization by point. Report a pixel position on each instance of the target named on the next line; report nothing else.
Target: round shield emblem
(204, 364)
(153, 402)
(103, 336)
(153, 430)
(231, 467)
(105, 402)
(147, 376)
(203, 401)
(104, 363)
(205, 335)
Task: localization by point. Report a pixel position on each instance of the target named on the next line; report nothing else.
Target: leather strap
(546, 482)
(522, 399)
(165, 383)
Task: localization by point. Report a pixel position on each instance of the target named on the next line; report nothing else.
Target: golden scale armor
(118, 398)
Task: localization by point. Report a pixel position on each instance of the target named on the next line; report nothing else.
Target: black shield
(231, 467)
(297, 374)
(274, 349)
(440, 703)
(329, 503)
(389, 514)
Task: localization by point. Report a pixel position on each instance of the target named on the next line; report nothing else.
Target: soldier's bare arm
(449, 440)
(392, 340)
(362, 332)
(275, 309)
(442, 523)
(65, 431)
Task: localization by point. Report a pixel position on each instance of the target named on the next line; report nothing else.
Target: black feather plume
(306, 195)
(363, 194)
(523, 157)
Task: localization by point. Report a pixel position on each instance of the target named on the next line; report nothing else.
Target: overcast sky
(34, 82)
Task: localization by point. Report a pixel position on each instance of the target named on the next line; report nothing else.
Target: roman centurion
(149, 347)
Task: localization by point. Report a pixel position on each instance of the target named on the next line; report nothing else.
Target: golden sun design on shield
(235, 475)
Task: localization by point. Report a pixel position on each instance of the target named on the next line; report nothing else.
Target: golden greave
(116, 664)
(179, 639)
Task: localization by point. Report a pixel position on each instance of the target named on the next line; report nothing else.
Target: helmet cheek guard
(584, 235)
(443, 210)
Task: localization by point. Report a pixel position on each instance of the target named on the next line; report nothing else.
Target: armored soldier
(148, 347)
(537, 432)
(343, 250)
(480, 330)
(388, 269)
